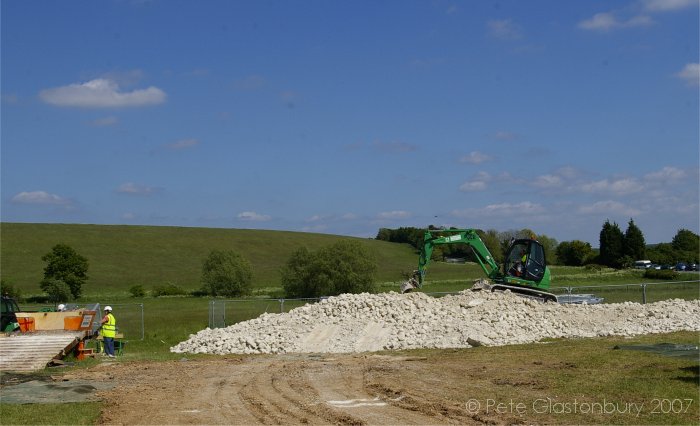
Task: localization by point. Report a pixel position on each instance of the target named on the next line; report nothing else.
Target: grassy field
(123, 256)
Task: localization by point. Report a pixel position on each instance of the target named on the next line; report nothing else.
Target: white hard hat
(108, 308)
(61, 307)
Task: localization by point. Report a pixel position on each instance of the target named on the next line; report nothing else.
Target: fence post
(143, 325)
(644, 294)
(211, 314)
(281, 305)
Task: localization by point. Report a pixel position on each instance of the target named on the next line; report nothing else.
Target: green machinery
(525, 270)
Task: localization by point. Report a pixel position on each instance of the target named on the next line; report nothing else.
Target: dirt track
(449, 386)
(286, 390)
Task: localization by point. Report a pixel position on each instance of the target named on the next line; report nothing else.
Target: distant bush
(137, 291)
(595, 267)
(9, 290)
(57, 290)
(665, 274)
(168, 290)
(199, 293)
(226, 273)
(344, 267)
(38, 299)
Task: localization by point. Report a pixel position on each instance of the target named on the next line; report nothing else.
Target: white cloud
(607, 21)
(475, 157)
(477, 183)
(548, 181)
(253, 217)
(503, 135)
(504, 29)
(690, 74)
(473, 186)
(609, 207)
(668, 5)
(40, 197)
(131, 188)
(395, 214)
(666, 175)
(525, 208)
(101, 93)
(617, 186)
(183, 144)
(315, 228)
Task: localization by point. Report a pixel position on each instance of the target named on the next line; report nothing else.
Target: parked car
(692, 267)
(680, 266)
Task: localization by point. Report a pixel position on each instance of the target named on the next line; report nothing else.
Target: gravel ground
(369, 322)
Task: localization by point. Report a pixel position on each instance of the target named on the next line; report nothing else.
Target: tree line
(349, 267)
(344, 267)
(617, 249)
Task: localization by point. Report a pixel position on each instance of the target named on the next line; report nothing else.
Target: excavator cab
(525, 260)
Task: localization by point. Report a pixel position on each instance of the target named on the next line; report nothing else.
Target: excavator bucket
(481, 284)
(410, 284)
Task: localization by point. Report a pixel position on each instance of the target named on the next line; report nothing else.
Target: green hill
(124, 256)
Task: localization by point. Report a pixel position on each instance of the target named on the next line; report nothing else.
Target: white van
(642, 264)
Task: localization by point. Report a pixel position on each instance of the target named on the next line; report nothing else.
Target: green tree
(344, 267)
(57, 290)
(634, 244)
(662, 254)
(611, 245)
(226, 273)
(688, 243)
(550, 248)
(8, 289)
(137, 291)
(573, 253)
(66, 265)
(491, 241)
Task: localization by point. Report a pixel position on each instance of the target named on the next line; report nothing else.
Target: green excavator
(525, 270)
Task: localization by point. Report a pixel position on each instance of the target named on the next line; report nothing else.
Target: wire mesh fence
(640, 293)
(223, 313)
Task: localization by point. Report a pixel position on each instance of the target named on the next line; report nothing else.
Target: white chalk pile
(370, 322)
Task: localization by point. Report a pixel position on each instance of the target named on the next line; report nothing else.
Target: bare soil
(337, 389)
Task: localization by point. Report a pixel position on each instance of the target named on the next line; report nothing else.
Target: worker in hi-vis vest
(109, 331)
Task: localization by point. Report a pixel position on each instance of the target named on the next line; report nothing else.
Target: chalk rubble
(368, 322)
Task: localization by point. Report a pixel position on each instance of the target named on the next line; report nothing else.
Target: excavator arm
(457, 236)
(525, 270)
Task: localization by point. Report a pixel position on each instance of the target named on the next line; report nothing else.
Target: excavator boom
(525, 270)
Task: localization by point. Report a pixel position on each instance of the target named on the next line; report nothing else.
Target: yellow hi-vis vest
(109, 329)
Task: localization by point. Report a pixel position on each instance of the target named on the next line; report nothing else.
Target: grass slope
(124, 256)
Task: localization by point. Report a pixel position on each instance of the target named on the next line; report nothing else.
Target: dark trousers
(109, 345)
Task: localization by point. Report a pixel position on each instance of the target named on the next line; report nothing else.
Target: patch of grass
(576, 381)
(85, 413)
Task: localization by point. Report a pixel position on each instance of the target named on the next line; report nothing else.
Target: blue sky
(343, 117)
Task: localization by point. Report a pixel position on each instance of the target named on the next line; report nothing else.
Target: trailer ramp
(33, 351)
